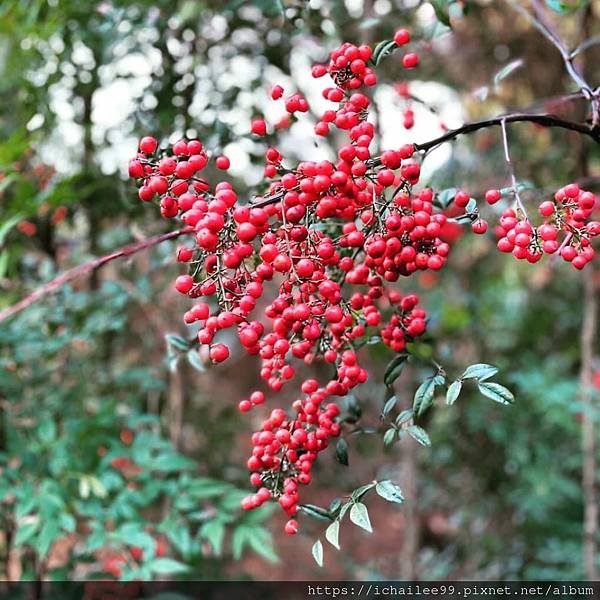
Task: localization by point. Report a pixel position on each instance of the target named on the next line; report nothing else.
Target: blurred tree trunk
(589, 335)
(410, 538)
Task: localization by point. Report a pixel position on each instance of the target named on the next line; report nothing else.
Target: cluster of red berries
(408, 241)
(320, 229)
(348, 67)
(566, 230)
(285, 449)
(406, 323)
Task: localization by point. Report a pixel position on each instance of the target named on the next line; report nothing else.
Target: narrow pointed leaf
(388, 437)
(332, 534)
(341, 451)
(419, 434)
(389, 405)
(497, 392)
(453, 392)
(507, 70)
(359, 515)
(394, 369)
(317, 552)
(479, 371)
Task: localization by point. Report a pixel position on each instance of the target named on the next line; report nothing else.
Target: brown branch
(546, 120)
(540, 119)
(86, 268)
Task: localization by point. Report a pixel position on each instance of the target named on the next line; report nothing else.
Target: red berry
(402, 37)
(184, 283)
(480, 226)
(222, 162)
(218, 353)
(259, 127)
(410, 60)
(492, 196)
(276, 92)
(291, 527)
(148, 145)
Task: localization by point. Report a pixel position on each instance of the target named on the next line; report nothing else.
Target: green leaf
(84, 486)
(48, 535)
(47, 430)
(315, 511)
(453, 392)
(404, 416)
(424, 394)
(359, 515)
(332, 534)
(7, 226)
(334, 506)
(497, 392)
(445, 197)
(383, 49)
(167, 566)
(394, 368)
(97, 487)
(389, 405)
(419, 434)
(341, 451)
(479, 371)
(4, 259)
(96, 540)
(317, 552)
(388, 437)
(260, 541)
(507, 70)
(171, 461)
(214, 532)
(177, 342)
(179, 535)
(359, 492)
(389, 491)
(205, 487)
(194, 359)
(25, 532)
(471, 206)
(564, 7)
(440, 8)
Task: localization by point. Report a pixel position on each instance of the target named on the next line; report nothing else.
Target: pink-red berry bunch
(566, 229)
(305, 272)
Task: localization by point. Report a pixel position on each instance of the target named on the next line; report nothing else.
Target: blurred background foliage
(116, 459)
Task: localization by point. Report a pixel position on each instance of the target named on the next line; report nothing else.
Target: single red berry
(547, 208)
(402, 37)
(148, 145)
(492, 196)
(291, 527)
(222, 162)
(184, 283)
(218, 353)
(276, 92)
(480, 226)
(259, 127)
(410, 60)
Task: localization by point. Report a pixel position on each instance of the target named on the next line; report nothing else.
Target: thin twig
(540, 22)
(511, 169)
(86, 268)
